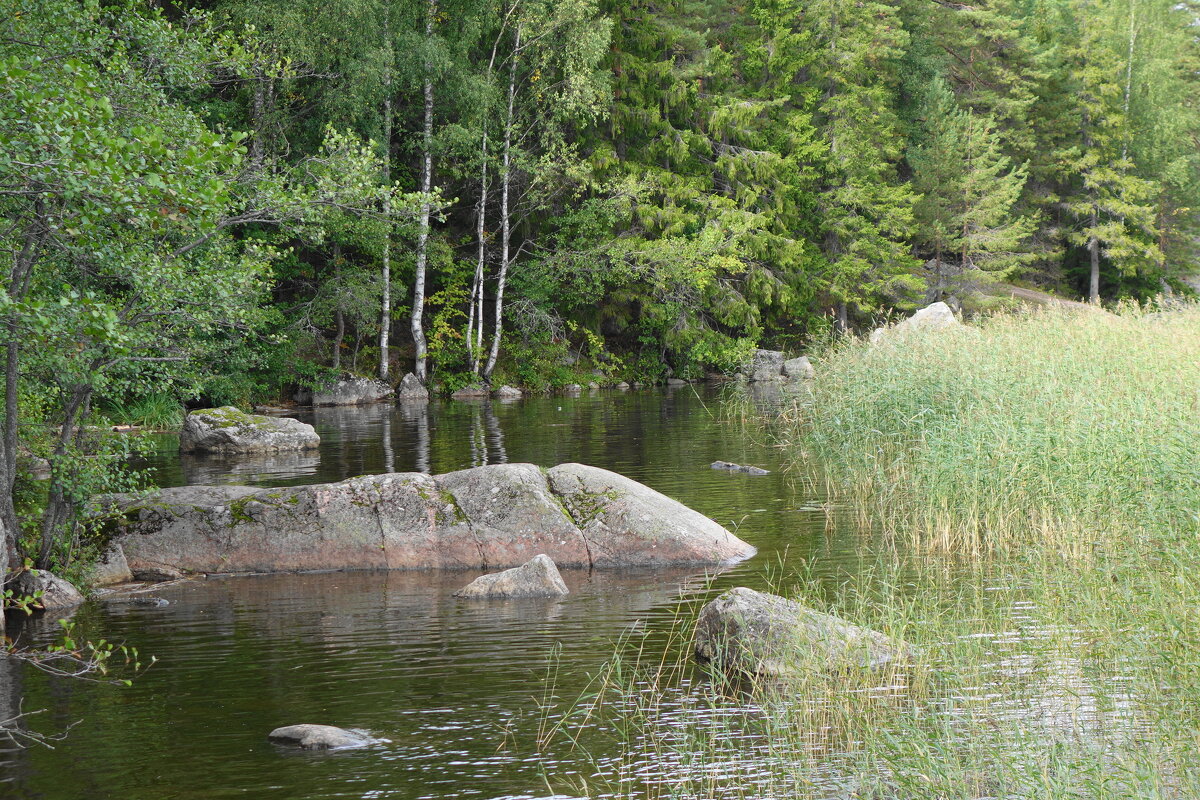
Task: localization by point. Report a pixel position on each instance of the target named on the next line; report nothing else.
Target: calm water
(455, 686)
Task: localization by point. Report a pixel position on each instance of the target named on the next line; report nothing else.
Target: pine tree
(968, 190)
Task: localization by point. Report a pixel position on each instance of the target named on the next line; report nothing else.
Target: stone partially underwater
(482, 518)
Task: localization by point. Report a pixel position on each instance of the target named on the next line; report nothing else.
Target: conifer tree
(968, 190)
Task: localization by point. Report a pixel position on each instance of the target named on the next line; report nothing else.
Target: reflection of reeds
(1037, 483)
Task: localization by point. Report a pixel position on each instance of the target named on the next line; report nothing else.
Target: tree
(119, 203)
(967, 192)
(866, 210)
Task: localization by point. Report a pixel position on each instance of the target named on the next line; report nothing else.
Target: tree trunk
(505, 211)
(338, 316)
(59, 505)
(1094, 257)
(418, 303)
(385, 305)
(475, 319)
(18, 286)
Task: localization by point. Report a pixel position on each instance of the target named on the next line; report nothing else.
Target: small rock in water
(754, 633)
(538, 577)
(676, 382)
(319, 737)
(149, 601)
(731, 467)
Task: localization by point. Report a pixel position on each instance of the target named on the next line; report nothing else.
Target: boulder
(56, 593)
(732, 467)
(470, 392)
(537, 577)
(512, 514)
(623, 386)
(319, 737)
(111, 568)
(572, 388)
(764, 635)
(228, 430)
(489, 517)
(506, 391)
(350, 392)
(676, 382)
(767, 365)
(156, 574)
(935, 317)
(799, 369)
(627, 524)
(411, 388)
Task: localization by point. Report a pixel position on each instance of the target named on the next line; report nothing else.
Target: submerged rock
(146, 601)
(111, 568)
(55, 593)
(411, 388)
(537, 577)
(732, 467)
(319, 737)
(487, 517)
(228, 430)
(765, 635)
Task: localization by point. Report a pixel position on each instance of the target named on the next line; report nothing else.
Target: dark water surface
(455, 686)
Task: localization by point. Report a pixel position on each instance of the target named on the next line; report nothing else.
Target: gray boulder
(537, 577)
(470, 392)
(935, 317)
(732, 467)
(627, 524)
(156, 574)
(753, 633)
(111, 568)
(55, 593)
(411, 388)
(623, 386)
(767, 365)
(572, 388)
(487, 517)
(799, 369)
(676, 382)
(507, 392)
(319, 737)
(228, 430)
(350, 392)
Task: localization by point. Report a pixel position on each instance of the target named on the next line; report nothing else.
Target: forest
(842, 353)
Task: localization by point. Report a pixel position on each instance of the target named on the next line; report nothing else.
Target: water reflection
(459, 688)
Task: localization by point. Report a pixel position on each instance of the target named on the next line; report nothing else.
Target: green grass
(1028, 491)
(159, 411)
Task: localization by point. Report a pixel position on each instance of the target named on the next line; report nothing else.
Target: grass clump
(1047, 426)
(160, 411)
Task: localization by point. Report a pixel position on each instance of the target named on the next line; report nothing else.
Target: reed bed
(1036, 481)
